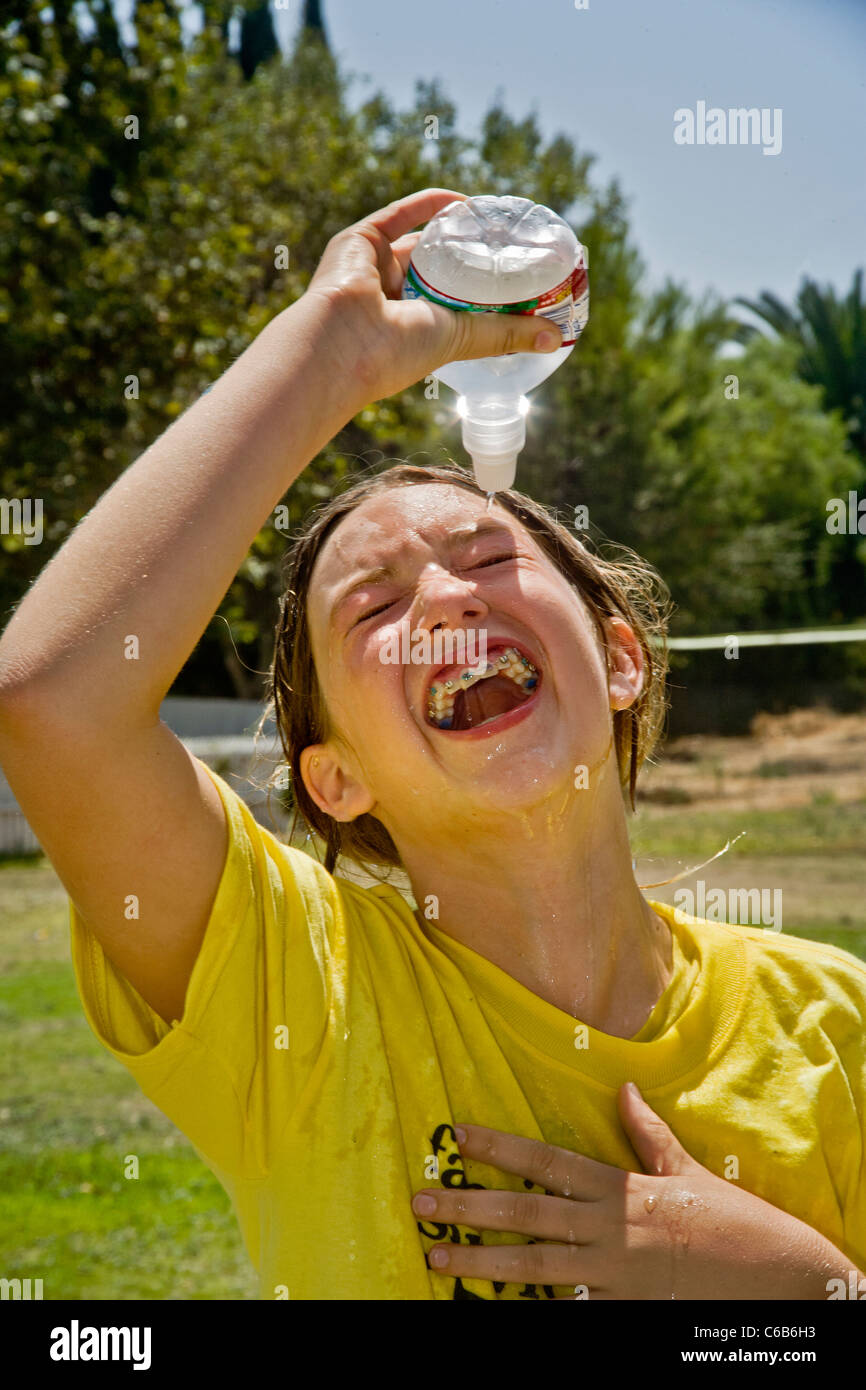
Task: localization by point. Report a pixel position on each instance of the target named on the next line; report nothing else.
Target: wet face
(406, 564)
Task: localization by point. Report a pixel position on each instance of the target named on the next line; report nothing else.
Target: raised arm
(116, 801)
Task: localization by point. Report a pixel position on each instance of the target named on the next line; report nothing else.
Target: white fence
(16, 837)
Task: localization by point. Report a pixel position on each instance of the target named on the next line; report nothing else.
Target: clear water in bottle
(507, 255)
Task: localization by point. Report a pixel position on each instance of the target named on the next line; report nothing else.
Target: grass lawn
(813, 854)
(70, 1116)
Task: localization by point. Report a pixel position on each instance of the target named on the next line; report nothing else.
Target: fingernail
(438, 1258)
(461, 1134)
(630, 1086)
(545, 341)
(424, 1205)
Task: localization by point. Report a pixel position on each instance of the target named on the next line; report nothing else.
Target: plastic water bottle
(512, 256)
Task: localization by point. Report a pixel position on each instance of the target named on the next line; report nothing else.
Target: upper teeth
(441, 697)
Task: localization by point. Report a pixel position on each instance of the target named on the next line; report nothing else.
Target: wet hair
(625, 587)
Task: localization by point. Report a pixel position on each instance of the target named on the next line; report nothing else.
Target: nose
(443, 600)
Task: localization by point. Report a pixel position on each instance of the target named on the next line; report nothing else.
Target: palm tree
(831, 335)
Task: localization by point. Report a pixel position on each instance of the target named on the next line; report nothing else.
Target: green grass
(70, 1115)
(853, 941)
(814, 853)
(836, 826)
(71, 1218)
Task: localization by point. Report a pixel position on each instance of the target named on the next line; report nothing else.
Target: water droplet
(490, 499)
(650, 1202)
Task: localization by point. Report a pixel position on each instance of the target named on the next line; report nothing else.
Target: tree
(258, 40)
(115, 318)
(121, 300)
(830, 334)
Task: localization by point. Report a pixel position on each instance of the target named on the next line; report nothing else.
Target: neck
(552, 900)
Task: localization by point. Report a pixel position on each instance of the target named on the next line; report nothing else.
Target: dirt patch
(786, 760)
(807, 892)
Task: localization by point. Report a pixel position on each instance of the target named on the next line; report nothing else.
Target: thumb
(654, 1142)
(494, 335)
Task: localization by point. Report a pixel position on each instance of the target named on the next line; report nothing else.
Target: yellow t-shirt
(329, 1045)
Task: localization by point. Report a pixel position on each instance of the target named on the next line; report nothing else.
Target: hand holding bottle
(384, 343)
(510, 256)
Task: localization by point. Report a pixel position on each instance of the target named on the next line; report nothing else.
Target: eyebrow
(455, 539)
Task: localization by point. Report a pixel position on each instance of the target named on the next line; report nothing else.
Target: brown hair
(626, 587)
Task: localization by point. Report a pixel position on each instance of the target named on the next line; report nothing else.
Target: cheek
(573, 645)
(595, 674)
(366, 696)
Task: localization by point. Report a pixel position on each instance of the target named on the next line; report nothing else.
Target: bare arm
(153, 559)
(117, 803)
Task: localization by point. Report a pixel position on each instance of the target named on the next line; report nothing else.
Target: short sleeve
(257, 1008)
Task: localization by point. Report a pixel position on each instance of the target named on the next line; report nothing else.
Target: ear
(331, 785)
(625, 664)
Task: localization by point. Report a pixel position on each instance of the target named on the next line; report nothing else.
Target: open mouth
(464, 698)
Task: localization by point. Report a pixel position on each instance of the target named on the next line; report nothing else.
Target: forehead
(393, 523)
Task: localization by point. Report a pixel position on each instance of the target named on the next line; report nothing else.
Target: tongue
(486, 700)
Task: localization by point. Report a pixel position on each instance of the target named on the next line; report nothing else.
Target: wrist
(820, 1270)
(775, 1255)
(317, 327)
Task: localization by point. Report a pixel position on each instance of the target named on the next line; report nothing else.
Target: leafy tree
(830, 334)
(745, 479)
(91, 125)
(135, 269)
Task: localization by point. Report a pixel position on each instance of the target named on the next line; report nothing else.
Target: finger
(524, 1213)
(654, 1142)
(397, 258)
(495, 335)
(402, 249)
(560, 1171)
(390, 224)
(405, 213)
(544, 1263)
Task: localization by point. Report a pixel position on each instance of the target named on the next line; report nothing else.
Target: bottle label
(566, 305)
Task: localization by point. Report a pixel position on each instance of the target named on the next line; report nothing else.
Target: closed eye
(373, 611)
(494, 560)
(382, 607)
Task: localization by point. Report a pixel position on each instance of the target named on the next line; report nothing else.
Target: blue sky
(611, 77)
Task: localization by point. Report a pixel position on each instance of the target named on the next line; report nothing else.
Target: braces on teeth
(440, 698)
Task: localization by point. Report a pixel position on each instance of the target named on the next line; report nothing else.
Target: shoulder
(804, 978)
(284, 882)
(800, 958)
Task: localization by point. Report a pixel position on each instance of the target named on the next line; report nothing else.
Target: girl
(538, 1084)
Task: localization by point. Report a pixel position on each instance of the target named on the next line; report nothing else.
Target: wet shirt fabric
(329, 1045)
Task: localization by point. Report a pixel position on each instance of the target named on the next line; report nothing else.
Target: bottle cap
(494, 432)
(494, 474)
